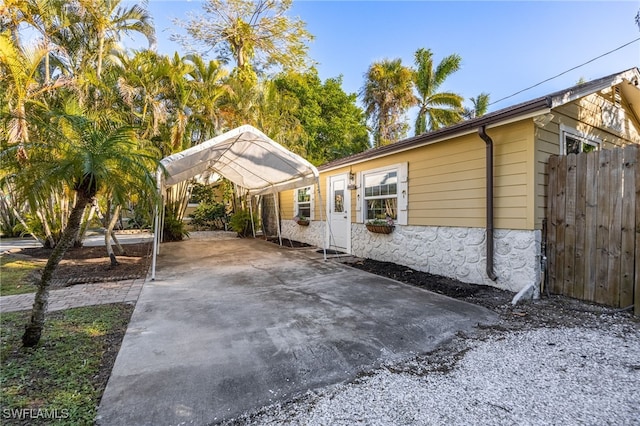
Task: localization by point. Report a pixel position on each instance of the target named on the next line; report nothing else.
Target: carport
(245, 156)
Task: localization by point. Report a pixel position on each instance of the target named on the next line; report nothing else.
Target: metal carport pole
(156, 231)
(276, 196)
(324, 245)
(253, 225)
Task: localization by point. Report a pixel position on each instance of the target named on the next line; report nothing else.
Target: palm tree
(480, 106)
(387, 94)
(87, 156)
(105, 22)
(256, 34)
(436, 108)
(209, 88)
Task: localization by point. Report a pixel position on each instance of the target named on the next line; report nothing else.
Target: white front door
(338, 206)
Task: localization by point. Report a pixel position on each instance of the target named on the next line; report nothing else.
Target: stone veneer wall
(312, 234)
(457, 253)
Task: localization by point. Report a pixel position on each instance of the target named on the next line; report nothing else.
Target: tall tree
(256, 34)
(209, 87)
(86, 156)
(387, 95)
(479, 108)
(104, 22)
(437, 109)
(333, 125)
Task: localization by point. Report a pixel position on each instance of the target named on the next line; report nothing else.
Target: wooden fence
(593, 226)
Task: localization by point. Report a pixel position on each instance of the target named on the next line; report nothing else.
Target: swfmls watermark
(35, 413)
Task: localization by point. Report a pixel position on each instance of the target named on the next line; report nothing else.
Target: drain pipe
(489, 166)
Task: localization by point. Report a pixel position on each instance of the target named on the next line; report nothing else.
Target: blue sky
(505, 46)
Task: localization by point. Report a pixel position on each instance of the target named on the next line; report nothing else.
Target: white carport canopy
(245, 156)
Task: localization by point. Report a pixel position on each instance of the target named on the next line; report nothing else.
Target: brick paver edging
(78, 295)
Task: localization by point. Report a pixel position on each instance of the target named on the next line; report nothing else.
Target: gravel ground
(564, 376)
(552, 361)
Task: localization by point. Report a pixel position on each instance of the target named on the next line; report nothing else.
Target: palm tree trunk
(108, 235)
(84, 226)
(47, 229)
(33, 331)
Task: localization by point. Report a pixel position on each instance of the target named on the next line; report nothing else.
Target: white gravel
(562, 376)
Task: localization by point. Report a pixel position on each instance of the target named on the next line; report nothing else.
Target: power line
(564, 72)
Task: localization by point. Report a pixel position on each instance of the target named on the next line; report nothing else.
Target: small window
(381, 194)
(303, 202)
(574, 143)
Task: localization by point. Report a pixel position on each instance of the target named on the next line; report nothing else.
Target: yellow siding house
(467, 201)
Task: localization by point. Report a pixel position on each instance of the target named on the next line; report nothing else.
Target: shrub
(174, 228)
(240, 222)
(209, 216)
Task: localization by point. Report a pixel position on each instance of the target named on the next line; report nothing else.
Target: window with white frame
(303, 202)
(574, 142)
(383, 194)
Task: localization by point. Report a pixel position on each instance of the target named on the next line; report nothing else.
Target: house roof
(519, 111)
(245, 156)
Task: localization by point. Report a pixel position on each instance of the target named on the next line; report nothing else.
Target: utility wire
(564, 72)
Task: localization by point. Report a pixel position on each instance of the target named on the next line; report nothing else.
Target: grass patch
(65, 375)
(14, 275)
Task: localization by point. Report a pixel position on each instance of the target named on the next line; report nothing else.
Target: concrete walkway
(232, 325)
(78, 295)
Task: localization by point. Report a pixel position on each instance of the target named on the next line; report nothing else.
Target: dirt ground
(82, 265)
(548, 311)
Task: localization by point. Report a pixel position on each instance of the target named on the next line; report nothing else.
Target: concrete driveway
(232, 325)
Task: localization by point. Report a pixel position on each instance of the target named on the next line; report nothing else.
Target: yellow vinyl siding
(447, 179)
(286, 204)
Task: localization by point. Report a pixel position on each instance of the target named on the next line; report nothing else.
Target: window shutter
(313, 202)
(403, 193)
(295, 202)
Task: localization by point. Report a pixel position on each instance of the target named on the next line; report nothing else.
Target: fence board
(560, 227)
(612, 296)
(551, 222)
(580, 225)
(602, 228)
(570, 228)
(591, 199)
(593, 226)
(628, 254)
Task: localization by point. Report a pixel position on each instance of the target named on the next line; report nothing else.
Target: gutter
(490, 210)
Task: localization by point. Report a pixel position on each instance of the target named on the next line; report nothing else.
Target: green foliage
(480, 106)
(202, 194)
(333, 125)
(209, 216)
(256, 35)
(240, 222)
(140, 217)
(387, 95)
(174, 229)
(437, 109)
(65, 373)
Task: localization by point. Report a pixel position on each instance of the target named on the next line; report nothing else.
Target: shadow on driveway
(232, 325)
